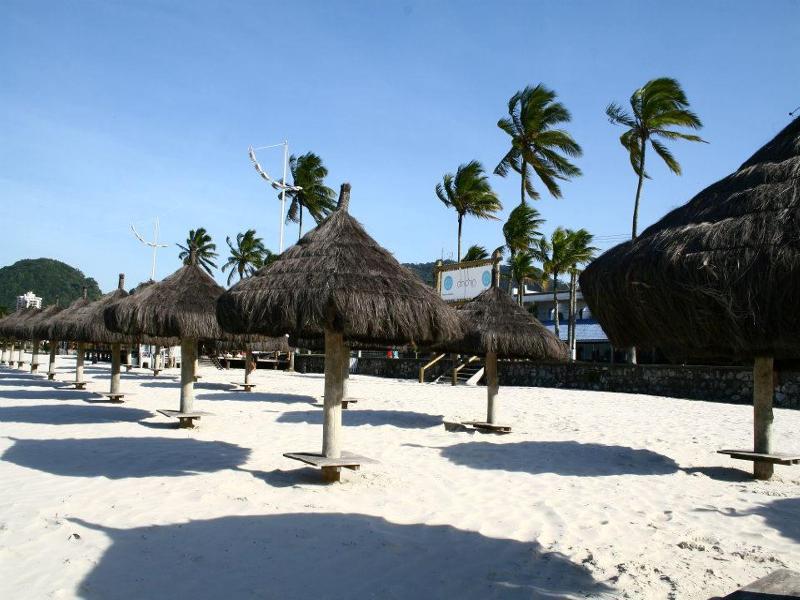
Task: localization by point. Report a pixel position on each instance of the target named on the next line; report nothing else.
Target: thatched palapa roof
(37, 327)
(182, 305)
(717, 277)
(58, 325)
(86, 324)
(338, 277)
(11, 325)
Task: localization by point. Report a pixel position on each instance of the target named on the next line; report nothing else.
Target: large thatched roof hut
(718, 277)
(181, 306)
(337, 283)
(9, 329)
(38, 327)
(497, 327)
(58, 330)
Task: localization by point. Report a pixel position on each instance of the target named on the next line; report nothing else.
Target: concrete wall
(716, 384)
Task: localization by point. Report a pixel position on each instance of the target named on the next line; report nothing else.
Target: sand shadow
(728, 474)
(32, 382)
(240, 396)
(70, 414)
(332, 556)
(175, 384)
(292, 478)
(46, 394)
(781, 515)
(355, 417)
(122, 457)
(562, 458)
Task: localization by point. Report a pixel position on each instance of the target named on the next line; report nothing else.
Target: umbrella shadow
(353, 556)
(123, 457)
(357, 417)
(46, 394)
(781, 515)
(241, 396)
(561, 458)
(70, 414)
(292, 478)
(32, 382)
(728, 474)
(176, 384)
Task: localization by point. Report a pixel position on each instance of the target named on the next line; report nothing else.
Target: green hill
(47, 278)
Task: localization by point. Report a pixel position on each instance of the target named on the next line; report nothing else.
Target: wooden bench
(75, 385)
(116, 398)
(246, 387)
(156, 372)
(20, 364)
(128, 368)
(778, 585)
(51, 376)
(482, 426)
(345, 402)
(331, 467)
(34, 367)
(776, 458)
(185, 419)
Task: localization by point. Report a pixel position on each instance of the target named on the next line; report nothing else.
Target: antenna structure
(154, 245)
(281, 185)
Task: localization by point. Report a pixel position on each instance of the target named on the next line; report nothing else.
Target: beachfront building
(29, 300)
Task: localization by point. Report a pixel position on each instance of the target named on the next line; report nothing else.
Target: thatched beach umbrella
(337, 283)
(87, 324)
(10, 327)
(38, 328)
(59, 330)
(497, 327)
(718, 277)
(181, 306)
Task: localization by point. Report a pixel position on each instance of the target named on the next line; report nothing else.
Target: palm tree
(476, 252)
(656, 107)
(199, 245)
(521, 268)
(520, 232)
(538, 147)
(469, 193)
(308, 176)
(246, 257)
(580, 252)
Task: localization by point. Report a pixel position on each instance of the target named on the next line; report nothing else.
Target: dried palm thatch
(38, 327)
(263, 344)
(86, 324)
(182, 306)
(338, 277)
(493, 322)
(58, 325)
(15, 328)
(717, 277)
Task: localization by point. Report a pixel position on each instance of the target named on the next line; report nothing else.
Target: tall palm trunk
(638, 192)
(555, 305)
(632, 350)
(300, 225)
(460, 221)
(522, 182)
(573, 305)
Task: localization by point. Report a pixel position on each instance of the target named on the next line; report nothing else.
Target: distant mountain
(47, 278)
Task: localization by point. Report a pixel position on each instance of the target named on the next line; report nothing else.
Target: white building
(29, 300)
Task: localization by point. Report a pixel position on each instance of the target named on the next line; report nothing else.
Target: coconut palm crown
(539, 148)
(204, 249)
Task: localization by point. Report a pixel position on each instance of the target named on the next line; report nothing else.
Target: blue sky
(116, 112)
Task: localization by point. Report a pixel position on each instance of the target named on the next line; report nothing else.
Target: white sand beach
(593, 495)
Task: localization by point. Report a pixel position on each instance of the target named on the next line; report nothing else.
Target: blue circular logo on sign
(487, 278)
(448, 283)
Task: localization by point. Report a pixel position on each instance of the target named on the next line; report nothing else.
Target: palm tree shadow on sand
(356, 417)
(349, 555)
(561, 458)
(121, 457)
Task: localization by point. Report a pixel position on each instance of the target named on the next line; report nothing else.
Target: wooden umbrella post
(35, 357)
(51, 367)
(491, 387)
(11, 354)
(345, 373)
(156, 367)
(188, 353)
(3, 354)
(79, 362)
(763, 392)
(115, 367)
(332, 409)
(20, 355)
(248, 365)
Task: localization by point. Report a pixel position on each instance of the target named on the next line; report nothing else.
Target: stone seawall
(716, 384)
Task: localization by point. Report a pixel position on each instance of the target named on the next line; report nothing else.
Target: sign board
(458, 283)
